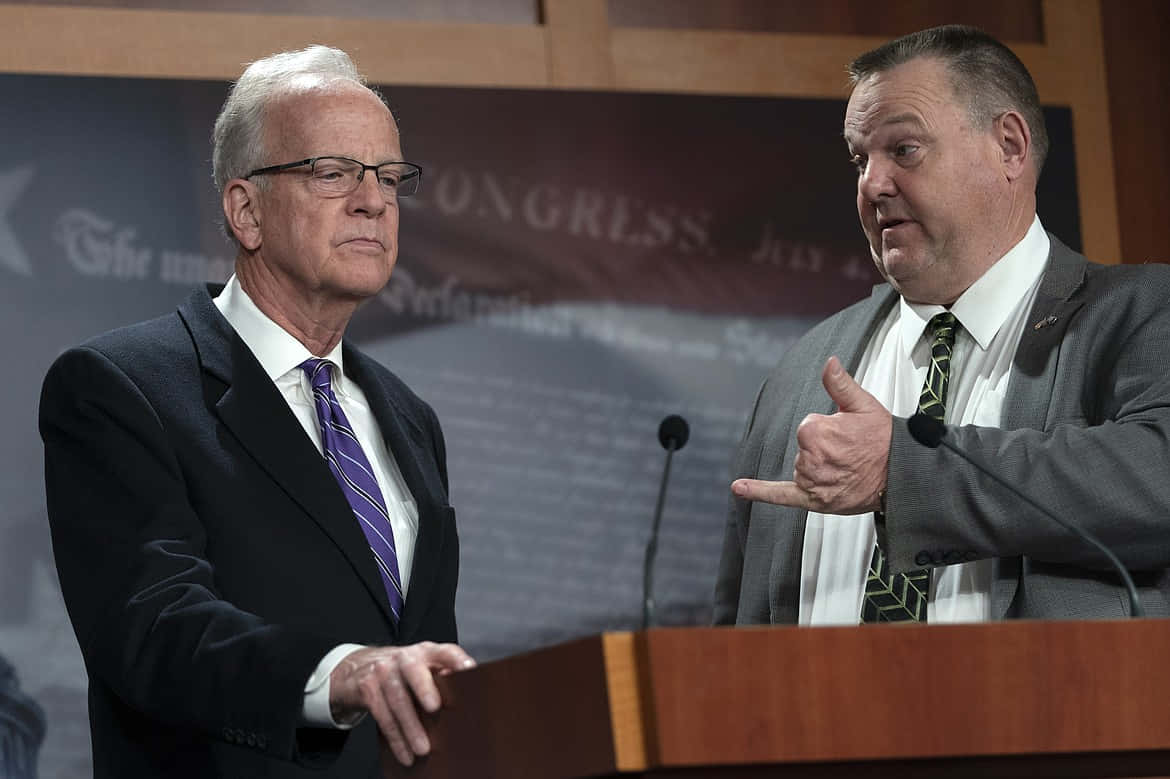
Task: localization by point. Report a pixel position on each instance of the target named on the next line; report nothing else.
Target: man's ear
(1014, 139)
(241, 209)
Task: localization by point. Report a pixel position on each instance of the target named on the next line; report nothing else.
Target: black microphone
(672, 434)
(931, 432)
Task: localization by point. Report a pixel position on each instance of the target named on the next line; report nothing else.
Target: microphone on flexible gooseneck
(672, 434)
(932, 433)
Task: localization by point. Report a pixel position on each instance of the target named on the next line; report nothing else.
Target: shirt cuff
(316, 712)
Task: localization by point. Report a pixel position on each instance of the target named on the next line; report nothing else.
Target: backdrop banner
(577, 266)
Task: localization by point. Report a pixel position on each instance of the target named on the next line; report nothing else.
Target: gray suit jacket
(1085, 431)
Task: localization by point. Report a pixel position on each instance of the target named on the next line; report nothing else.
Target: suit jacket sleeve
(136, 580)
(442, 615)
(1100, 459)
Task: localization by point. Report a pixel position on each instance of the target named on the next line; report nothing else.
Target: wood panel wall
(607, 44)
(1137, 33)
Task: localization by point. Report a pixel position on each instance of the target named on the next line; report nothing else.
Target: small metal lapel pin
(1045, 322)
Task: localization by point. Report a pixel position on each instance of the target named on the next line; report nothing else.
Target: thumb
(845, 392)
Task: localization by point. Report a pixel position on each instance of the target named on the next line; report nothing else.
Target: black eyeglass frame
(413, 171)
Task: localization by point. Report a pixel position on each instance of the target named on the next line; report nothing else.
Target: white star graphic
(12, 186)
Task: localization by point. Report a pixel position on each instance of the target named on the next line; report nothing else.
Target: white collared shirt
(993, 313)
(280, 355)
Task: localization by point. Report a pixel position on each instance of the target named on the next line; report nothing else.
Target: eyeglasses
(339, 176)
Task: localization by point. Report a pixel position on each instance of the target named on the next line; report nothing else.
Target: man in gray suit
(1053, 368)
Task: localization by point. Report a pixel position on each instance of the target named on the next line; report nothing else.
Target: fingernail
(738, 487)
(467, 664)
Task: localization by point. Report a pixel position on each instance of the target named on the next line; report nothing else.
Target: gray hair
(984, 72)
(237, 143)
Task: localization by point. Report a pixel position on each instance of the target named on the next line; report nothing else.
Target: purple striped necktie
(353, 472)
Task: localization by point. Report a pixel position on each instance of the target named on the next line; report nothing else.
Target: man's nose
(878, 179)
(367, 197)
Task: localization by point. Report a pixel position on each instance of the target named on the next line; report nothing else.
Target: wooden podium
(1001, 699)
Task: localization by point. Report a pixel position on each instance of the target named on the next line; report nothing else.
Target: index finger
(417, 674)
(446, 657)
(780, 493)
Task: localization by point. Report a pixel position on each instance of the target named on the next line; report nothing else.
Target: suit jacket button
(227, 735)
(972, 556)
(922, 558)
(262, 742)
(251, 739)
(953, 556)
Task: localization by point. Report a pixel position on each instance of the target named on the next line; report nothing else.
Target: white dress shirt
(992, 313)
(280, 355)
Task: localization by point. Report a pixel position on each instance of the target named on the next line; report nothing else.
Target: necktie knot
(942, 328)
(319, 371)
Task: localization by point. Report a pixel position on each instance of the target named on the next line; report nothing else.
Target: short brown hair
(984, 72)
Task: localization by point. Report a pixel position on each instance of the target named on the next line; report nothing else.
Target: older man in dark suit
(1054, 368)
(249, 516)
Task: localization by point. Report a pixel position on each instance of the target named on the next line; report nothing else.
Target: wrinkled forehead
(335, 112)
(915, 94)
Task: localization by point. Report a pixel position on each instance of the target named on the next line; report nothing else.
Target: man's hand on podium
(389, 682)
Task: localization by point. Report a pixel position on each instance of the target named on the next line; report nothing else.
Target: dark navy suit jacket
(209, 559)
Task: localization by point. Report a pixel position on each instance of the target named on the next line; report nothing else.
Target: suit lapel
(409, 445)
(852, 339)
(1033, 378)
(252, 408)
(847, 341)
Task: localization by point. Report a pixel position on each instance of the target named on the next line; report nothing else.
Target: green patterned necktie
(902, 597)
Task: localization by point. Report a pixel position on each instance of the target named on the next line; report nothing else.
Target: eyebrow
(906, 118)
(903, 118)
